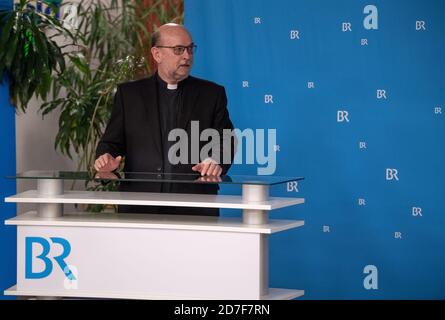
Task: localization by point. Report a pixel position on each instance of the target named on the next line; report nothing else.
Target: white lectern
(138, 256)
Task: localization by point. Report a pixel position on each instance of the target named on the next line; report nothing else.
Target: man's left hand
(208, 167)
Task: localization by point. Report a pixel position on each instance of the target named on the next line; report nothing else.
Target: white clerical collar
(173, 86)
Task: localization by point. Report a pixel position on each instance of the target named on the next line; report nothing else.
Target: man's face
(173, 67)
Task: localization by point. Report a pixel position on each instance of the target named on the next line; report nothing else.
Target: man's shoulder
(136, 84)
(205, 84)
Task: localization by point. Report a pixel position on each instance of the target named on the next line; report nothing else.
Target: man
(144, 113)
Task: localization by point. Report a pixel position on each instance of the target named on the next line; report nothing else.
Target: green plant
(27, 54)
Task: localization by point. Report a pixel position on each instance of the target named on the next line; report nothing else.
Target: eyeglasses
(178, 50)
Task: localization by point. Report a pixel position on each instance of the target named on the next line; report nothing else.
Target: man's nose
(187, 55)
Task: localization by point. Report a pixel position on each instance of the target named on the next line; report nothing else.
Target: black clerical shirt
(169, 102)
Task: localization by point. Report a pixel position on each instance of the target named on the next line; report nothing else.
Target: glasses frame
(179, 50)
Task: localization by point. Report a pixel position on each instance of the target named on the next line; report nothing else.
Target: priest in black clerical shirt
(146, 110)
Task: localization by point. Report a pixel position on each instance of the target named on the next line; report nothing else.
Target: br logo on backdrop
(342, 116)
(292, 186)
(39, 249)
(392, 174)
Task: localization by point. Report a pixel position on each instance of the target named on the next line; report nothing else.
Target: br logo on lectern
(31, 244)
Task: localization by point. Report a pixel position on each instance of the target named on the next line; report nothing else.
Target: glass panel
(154, 177)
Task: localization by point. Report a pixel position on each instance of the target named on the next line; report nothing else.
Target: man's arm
(113, 139)
(223, 151)
(227, 142)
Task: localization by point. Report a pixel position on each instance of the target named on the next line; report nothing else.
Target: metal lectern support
(257, 193)
(49, 187)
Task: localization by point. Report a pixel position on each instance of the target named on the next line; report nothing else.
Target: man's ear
(156, 54)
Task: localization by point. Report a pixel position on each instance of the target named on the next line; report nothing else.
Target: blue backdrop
(357, 95)
(7, 187)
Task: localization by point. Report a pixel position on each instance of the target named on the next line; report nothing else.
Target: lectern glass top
(154, 177)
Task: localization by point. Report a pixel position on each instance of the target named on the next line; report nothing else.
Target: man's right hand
(107, 163)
